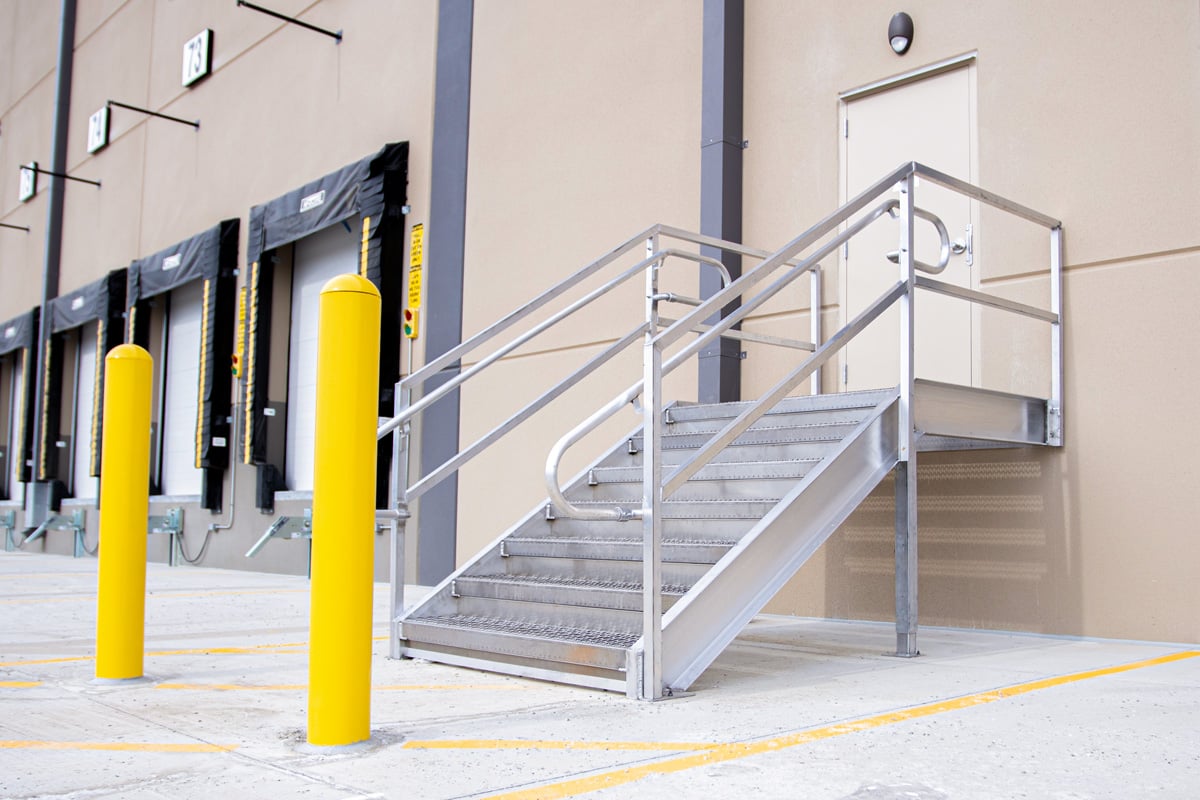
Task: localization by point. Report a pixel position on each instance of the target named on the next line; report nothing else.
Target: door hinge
(846, 128)
(845, 374)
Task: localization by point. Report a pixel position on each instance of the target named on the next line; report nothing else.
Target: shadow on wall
(997, 546)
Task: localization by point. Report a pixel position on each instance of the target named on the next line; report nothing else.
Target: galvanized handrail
(690, 323)
(646, 656)
(406, 410)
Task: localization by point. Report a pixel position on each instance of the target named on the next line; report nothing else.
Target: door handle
(966, 245)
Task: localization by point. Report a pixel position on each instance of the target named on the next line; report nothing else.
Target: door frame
(969, 62)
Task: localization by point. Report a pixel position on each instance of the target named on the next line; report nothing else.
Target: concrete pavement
(796, 708)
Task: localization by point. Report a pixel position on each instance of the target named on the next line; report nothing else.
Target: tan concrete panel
(93, 15)
(25, 137)
(585, 129)
(1092, 125)
(235, 30)
(280, 115)
(107, 67)
(100, 225)
(28, 49)
(1086, 540)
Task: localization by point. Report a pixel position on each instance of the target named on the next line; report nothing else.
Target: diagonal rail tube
(532, 333)
(743, 421)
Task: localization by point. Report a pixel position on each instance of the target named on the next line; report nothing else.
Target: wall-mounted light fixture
(900, 33)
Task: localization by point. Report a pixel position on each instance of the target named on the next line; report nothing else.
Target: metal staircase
(635, 575)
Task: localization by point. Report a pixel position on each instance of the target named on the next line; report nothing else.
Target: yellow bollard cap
(128, 351)
(350, 283)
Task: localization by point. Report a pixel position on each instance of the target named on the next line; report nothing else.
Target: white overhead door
(317, 258)
(16, 407)
(83, 484)
(179, 473)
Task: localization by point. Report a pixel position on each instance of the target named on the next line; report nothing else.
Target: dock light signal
(412, 318)
(235, 366)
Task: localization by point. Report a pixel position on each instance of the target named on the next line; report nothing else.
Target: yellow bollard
(343, 542)
(124, 505)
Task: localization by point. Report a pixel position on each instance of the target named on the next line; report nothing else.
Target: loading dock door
(179, 473)
(82, 483)
(16, 393)
(317, 258)
(929, 121)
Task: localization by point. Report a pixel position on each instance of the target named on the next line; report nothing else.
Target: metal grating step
(708, 508)
(616, 548)
(571, 582)
(536, 630)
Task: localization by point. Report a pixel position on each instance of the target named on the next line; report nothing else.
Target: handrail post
(1054, 425)
(651, 673)
(906, 468)
(398, 501)
(814, 312)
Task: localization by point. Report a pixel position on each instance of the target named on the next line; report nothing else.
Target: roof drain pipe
(38, 505)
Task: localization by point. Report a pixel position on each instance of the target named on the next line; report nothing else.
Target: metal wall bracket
(8, 521)
(77, 523)
(284, 528)
(170, 523)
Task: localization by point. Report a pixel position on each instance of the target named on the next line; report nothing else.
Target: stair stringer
(702, 624)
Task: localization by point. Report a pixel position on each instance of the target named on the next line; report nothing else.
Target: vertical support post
(1054, 425)
(343, 538)
(651, 677)
(906, 469)
(397, 489)
(124, 506)
(814, 312)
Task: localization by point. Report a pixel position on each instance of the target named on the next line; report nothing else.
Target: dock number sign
(416, 259)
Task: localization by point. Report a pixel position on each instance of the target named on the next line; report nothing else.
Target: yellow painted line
(233, 687)
(136, 747)
(295, 687)
(549, 744)
(19, 684)
(80, 596)
(45, 661)
(287, 647)
(729, 752)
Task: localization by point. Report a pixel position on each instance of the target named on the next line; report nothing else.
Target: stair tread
(623, 540)
(538, 630)
(572, 581)
(717, 471)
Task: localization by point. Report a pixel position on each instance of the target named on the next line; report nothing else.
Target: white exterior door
(929, 121)
(82, 484)
(317, 258)
(179, 473)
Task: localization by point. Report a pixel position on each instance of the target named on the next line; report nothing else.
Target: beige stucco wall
(585, 128)
(585, 123)
(1091, 115)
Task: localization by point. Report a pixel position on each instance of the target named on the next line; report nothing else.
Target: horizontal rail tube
(984, 299)
(746, 336)
(984, 196)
